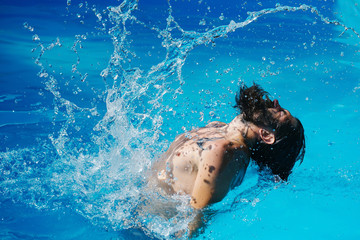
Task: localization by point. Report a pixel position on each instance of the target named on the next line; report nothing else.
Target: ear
(267, 136)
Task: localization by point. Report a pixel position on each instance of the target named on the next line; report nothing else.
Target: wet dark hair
(289, 145)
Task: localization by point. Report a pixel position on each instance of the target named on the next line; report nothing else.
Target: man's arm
(205, 182)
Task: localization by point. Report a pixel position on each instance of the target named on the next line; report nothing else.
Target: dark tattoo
(200, 144)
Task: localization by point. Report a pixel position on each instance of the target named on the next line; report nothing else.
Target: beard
(253, 103)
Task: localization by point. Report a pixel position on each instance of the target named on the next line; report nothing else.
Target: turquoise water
(93, 92)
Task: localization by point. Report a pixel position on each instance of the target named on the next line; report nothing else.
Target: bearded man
(207, 162)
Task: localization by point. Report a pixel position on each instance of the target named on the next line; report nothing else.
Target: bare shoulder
(224, 144)
(216, 124)
(217, 149)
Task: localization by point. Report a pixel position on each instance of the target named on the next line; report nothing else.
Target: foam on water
(95, 161)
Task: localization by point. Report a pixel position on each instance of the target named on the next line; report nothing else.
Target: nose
(277, 105)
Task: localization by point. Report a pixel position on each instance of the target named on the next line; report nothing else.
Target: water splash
(99, 170)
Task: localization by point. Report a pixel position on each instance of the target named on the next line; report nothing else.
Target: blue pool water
(92, 92)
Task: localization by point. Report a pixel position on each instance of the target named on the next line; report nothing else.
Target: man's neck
(240, 130)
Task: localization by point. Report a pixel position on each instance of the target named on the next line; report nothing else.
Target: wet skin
(207, 162)
(204, 164)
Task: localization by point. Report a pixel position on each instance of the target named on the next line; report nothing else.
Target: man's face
(279, 114)
(259, 109)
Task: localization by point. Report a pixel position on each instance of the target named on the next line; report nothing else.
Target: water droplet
(35, 37)
(98, 15)
(27, 26)
(43, 74)
(201, 118)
